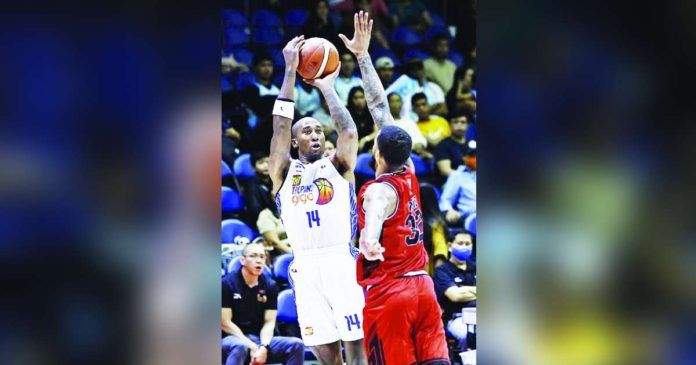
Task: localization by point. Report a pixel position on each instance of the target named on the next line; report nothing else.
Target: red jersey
(402, 232)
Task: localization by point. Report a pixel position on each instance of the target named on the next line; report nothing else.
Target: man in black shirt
(449, 152)
(249, 306)
(455, 285)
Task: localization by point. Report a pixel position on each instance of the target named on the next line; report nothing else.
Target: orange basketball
(318, 58)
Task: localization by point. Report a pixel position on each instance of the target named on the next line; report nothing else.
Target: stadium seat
(437, 20)
(226, 84)
(296, 18)
(226, 171)
(456, 57)
(470, 223)
(234, 19)
(438, 193)
(242, 166)
(422, 166)
(243, 55)
(281, 266)
(415, 53)
(287, 309)
(232, 201)
(244, 80)
(265, 19)
(234, 228)
(267, 37)
(405, 37)
(235, 38)
(435, 31)
(278, 60)
(362, 165)
(235, 264)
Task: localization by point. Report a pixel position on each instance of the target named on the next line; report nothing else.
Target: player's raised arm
(283, 113)
(347, 143)
(377, 101)
(379, 201)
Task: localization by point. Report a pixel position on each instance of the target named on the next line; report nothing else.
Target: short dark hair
(261, 56)
(394, 145)
(257, 156)
(440, 36)
(454, 232)
(418, 96)
(457, 113)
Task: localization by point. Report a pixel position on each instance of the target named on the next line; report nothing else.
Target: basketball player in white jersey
(316, 200)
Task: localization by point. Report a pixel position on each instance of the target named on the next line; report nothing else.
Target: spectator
(385, 70)
(260, 96)
(438, 68)
(435, 239)
(329, 147)
(249, 306)
(419, 142)
(414, 82)
(462, 95)
(410, 13)
(433, 127)
(455, 286)
(345, 80)
(319, 23)
(357, 107)
(229, 65)
(458, 198)
(449, 152)
(307, 99)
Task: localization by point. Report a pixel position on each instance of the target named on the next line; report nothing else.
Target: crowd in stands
(428, 69)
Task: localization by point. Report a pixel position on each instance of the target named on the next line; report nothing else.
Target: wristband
(284, 108)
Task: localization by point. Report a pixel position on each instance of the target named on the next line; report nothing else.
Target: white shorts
(329, 300)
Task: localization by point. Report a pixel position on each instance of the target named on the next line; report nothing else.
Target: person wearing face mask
(455, 285)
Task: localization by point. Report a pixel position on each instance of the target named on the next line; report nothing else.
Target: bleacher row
(267, 31)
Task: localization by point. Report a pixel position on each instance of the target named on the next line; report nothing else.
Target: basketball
(318, 58)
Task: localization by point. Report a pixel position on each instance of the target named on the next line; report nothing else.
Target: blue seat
(232, 201)
(422, 166)
(242, 166)
(456, 57)
(265, 19)
(267, 37)
(278, 60)
(415, 53)
(437, 20)
(235, 37)
(296, 18)
(243, 55)
(244, 80)
(225, 83)
(226, 171)
(405, 37)
(236, 264)
(234, 19)
(287, 309)
(470, 223)
(234, 228)
(438, 193)
(362, 165)
(281, 266)
(436, 30)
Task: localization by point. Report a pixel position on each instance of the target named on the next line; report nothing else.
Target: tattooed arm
(374, 92)
(347, 143)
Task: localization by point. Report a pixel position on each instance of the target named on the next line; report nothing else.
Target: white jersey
(317, 206)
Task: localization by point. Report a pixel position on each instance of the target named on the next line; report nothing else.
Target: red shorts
(403, 323)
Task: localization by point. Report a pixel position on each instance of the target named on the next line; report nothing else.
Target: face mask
(462, 254)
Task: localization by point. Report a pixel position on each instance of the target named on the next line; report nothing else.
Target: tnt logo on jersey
(296, 180)
(325, 189)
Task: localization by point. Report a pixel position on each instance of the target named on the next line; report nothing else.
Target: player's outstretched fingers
(369, 28)
(343, 38)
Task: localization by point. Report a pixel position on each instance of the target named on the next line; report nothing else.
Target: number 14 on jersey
(313, 216)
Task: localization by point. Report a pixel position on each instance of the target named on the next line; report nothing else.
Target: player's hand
(326, 82)
(371, 251)
(452, 216)
(361, 38)
(291, 52)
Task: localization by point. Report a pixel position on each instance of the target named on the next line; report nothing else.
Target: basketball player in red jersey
(402, 319)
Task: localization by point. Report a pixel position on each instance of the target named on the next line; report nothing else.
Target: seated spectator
(439, 68)
(260, 96)
(414, 82)
(419, 142)
(458, 197)
(272, 229)
(229, 65)
(462, 95)
(455, 286)
(410, 13)
(307, 99)
(433, 127)
(319, 23)
(449, 152)
(249, 306)
(345, 80)
(329, 147)
(385, 70)
(357, 107)
(435, 229)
